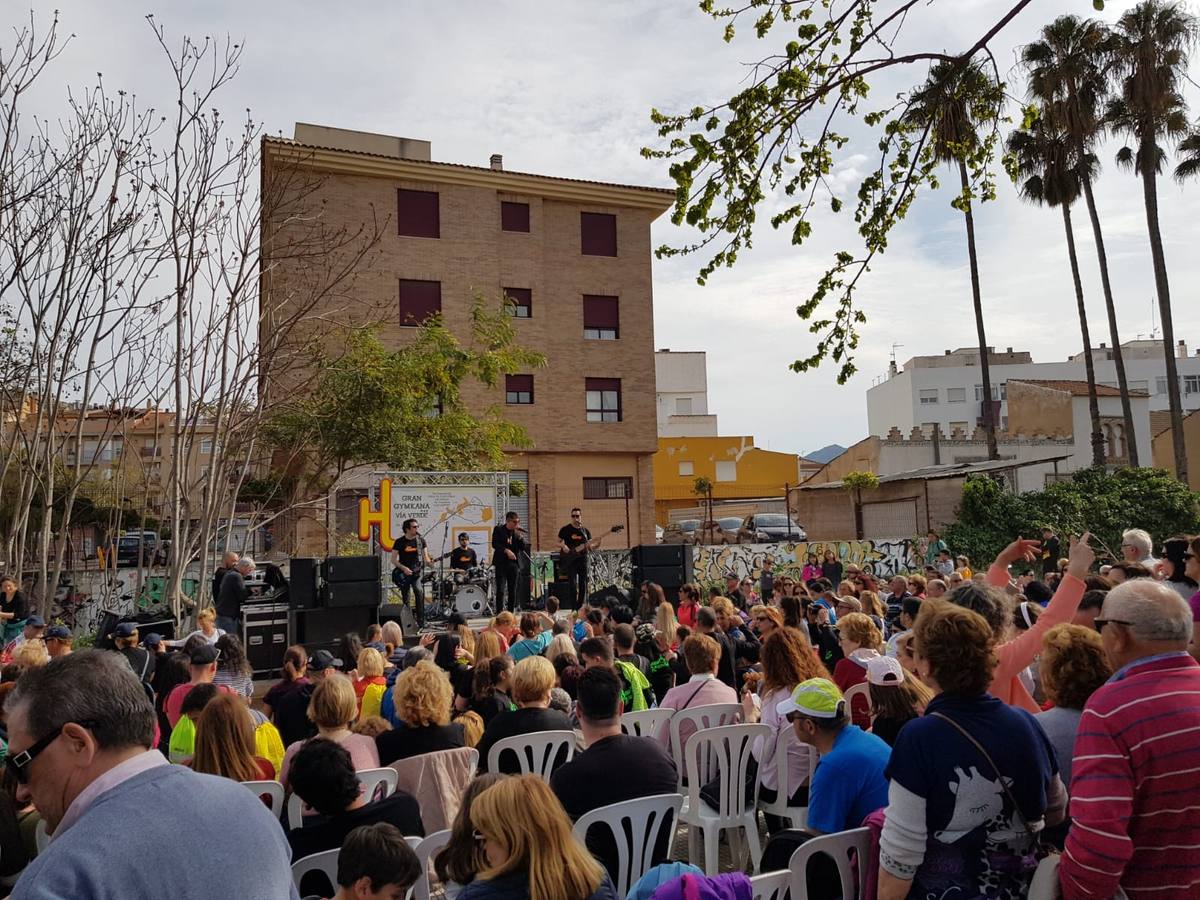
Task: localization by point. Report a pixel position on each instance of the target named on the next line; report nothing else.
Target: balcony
(150, 452)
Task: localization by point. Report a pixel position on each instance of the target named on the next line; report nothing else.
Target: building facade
(574, 259)
(682, 394)
(947, 390)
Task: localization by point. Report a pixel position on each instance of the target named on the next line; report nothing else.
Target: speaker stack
(333, 597)
(667, 565)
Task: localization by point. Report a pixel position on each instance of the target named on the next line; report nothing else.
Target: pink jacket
(690, 695)
(1018, 653)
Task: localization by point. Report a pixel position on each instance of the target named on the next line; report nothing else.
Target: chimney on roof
(1103, 346)
(1182, 354)
(892, 369)
(947, 352)
(497, 162)
(1009, 350)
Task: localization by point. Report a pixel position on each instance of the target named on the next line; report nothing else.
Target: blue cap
(153, 639)
(125, 630)
(58, 633)
(35, 622)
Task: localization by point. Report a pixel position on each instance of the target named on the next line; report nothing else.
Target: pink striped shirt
(1135, 785)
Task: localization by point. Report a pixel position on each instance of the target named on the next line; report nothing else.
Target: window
(929, 396)
(607, 488)
(514, 216)
(1142, 385)
(1160, 386)
(601, 318)
(683, 406)
(687, 468)
(518, 389)
(419, 300)
(598, 234)
(998, 392)
(726, 470)
(1191, 384)
(956, 395)
(961, 426)
(603, 399)
(520, 302)
(206, 446)
(1003, 391)
(417, 214)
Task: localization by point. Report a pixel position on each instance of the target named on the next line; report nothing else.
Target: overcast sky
(563, 87)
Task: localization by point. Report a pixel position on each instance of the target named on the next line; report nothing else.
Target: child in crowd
(896, 696)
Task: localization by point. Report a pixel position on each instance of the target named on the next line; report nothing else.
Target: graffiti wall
(882, 557)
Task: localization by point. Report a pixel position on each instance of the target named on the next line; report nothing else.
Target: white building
(682, 392)
(948, 390)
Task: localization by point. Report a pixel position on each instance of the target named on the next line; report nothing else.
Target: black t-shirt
(411, 552)
(587, 783)
(574, 536)
(463, 558)
(399, 808)
(289, 712)
(402, 743)
(18, 606)
(519, 721)
(503, 539)
(141, 661)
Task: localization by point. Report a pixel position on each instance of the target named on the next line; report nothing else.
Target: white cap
(885, 670)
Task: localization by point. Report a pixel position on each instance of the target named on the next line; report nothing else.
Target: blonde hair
(372, 726)
(538, 842)
(560, 645)
(333, 704)
(393, 634)
(466, 639)
(532, 679)
(859, 628)
(666, 623)
(505, 620)
(871, 604)
(487, 645)
(207, 613)
(31, 653)
(722, 606)
(423, 695)
(370, 663)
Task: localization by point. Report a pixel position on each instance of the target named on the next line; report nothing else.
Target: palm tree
(1189, 153)
(1148, 54)
(1044, 156)
(955, 102)
(1066, 76)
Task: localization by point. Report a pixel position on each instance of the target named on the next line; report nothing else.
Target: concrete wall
(828, 513)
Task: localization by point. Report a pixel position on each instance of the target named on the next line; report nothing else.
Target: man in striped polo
(1135, 784)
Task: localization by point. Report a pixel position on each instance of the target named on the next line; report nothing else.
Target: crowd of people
(1039, 716)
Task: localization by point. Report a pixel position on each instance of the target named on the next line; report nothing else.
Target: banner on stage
(442, 511)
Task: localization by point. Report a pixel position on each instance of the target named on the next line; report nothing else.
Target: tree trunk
(989, 425)
(1131, 447)
(1098, 454)
(1150, 189)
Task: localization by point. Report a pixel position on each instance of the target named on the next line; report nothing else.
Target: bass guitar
(583, 549)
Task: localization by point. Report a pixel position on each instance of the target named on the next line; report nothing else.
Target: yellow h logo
(381, 517)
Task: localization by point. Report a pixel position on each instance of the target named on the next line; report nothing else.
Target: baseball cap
(204, 655)
(58, 633)
(124, 630)
(35, 622)
(153, 639)
(323, 659)
(885, 670)
(816, 697)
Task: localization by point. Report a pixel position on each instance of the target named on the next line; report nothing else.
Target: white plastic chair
(536, 752)
(855, 691)
(645, 819)
(645, 722)
(713, 715)
(771, 886)
(838, 847)
(723, 753)
(325, 861)
(797, 816)
(369, 780)
(271, 789)
(413, 841)
(425, 851)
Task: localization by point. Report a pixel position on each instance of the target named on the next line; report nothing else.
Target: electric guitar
(582, 550)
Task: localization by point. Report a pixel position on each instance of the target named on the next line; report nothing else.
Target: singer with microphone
(508, 543)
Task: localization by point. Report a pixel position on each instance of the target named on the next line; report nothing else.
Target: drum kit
(462, 591)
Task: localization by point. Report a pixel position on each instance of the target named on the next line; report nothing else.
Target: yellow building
(1163, 447)
(737, 469)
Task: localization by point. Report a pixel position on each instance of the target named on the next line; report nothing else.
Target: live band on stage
(464, 586)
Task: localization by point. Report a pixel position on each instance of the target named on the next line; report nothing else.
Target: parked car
(147, 542)
(719, 531)
(765, 528)
(681, 532)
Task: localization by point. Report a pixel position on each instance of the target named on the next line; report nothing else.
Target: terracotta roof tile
(1077, 388)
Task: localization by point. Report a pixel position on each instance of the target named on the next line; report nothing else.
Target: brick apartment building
(573, 255)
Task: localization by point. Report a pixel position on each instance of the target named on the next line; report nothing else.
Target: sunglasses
(18, 764)
(1100, 623)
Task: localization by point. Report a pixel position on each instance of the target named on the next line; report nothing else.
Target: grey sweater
(166, 832)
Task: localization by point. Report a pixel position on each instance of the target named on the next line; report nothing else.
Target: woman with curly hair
(787, 659)
(423, 698)
(971, 782)
(233, 669)
(1072, 666)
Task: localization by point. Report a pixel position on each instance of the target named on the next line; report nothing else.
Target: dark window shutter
(521, 300)
(598, 232)
(601, 312)
(417, 213)
(419, 300)
(514, 216)
(518, 383)
(603, 384)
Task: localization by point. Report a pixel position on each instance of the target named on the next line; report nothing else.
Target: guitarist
(574, 543)
(409, 557)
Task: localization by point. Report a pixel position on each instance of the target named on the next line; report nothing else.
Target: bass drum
(470, 600)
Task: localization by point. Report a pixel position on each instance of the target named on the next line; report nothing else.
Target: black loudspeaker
(402, 613)
(562, 591)
(302, 583)
(338, 569)
(661, 556)
(350, 593)
(560, 570)
(322, 626)
(146, 623)
(609, 592)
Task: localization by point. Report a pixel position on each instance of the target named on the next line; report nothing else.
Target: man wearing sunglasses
(80, 731)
